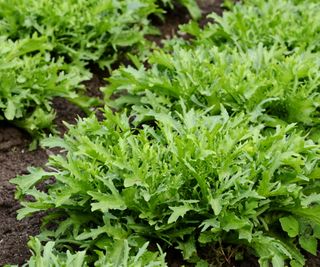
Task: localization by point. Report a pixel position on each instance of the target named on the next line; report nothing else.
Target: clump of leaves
(191, 180)
(262, 57)
(294, 24)
(118, 255)
(30, 78)
(83, 30)
(271, 84)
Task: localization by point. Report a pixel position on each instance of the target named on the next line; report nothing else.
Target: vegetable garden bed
(15, 156)
(212, 158)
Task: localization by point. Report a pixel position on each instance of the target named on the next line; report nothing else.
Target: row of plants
(30, 78)
(46, 47)
(215, 141)
(84, 31)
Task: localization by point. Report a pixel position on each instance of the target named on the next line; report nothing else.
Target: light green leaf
(216, 205)
(106, 202)
(309, 243)
(202, 263)
(188, 248)
(10, 111)
(36, 175)
(232, 222)
(178, 212)
(290, 225)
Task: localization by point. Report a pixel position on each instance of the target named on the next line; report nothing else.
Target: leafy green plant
(294, 24)
(30, 78)
(82, 30)
(271, 84)
(216, 142)
(192, 179)
(118, 255)
(47, 256)
(261, 57)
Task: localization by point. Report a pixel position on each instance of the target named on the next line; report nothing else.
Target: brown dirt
(14, 160)
(179, 15)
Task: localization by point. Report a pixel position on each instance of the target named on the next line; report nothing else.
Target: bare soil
(15, 157)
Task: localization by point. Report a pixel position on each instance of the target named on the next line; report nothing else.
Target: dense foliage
(294, 24)
(192, 180)
(30, 78)
(216, 141)
(44, 46)
(258, 75)
(95, 30)
(118, 255)
(267, 83)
